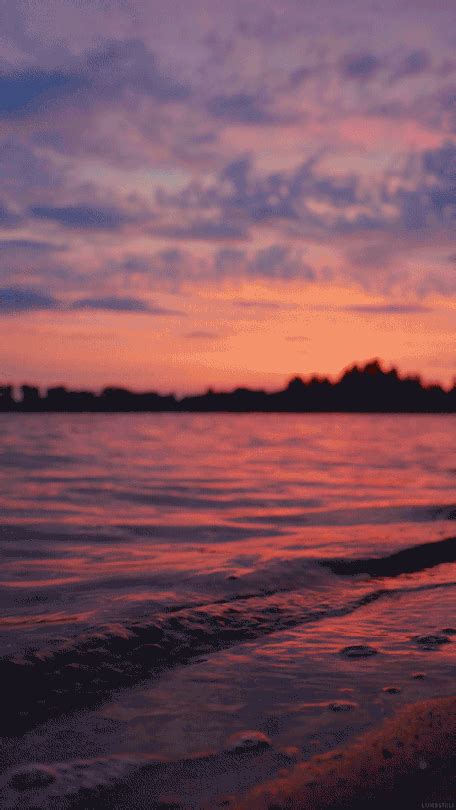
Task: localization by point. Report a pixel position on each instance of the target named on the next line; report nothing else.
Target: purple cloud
(279, 261)
(130, 65)
(360, 66)
(121, 304)
(29, 91)
(82, 216)
(101, 75)
(243, 108)
(204, 230)
(120, 133)
(201, 334)
(412, 64)
(8, 219)
(33, 246)
(14, 300)
(389, 309)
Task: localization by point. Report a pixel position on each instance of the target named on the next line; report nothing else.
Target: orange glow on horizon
(253, 335)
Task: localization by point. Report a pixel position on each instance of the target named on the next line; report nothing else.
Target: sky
(208, 193)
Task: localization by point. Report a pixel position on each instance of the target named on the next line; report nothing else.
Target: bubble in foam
(63, 781)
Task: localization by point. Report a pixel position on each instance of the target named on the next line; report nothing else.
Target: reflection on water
(106, 516)
(134, 544)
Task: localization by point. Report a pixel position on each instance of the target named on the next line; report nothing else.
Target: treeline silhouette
(360, 389)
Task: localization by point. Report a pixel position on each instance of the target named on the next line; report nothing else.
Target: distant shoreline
(228, 411)
(360, 389)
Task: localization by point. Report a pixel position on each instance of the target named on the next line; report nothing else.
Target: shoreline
(408, 762)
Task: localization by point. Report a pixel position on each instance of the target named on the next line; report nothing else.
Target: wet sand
(409, 762)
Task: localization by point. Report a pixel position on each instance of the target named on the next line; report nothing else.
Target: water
(172, 579)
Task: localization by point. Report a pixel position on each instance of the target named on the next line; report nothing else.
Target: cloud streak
(101, 75)
(16, 300)
(20, 300)
(121, 304)
(81, 217)
(389, 309)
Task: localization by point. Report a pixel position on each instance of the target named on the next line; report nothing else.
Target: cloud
(339, 192)
(434, 109)
(389, 309)
(204, 230)
(412, 64)
(413, 203)
(8, 219)
(227, 260)
(29, 91)
(441, 162)
(304, 195)
(168, 269)
(130, 65)
(260, 198)
(82, 216)
(433, 198)
(275, 262)
(246, 303)
(29, 245)
(373, 254)
(25, 171)
(443, 199)
(279, 262)
(236, 191)
(301, 75)
(101, 75)
(201, 334)
(174, 269)
(243, 108)
(239, 203)
(171, 257)
(360, 66)
(17, 300)
(14, 300)
(120, 304)
(308, 200)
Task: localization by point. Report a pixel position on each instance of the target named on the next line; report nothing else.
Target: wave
(83, 672)
(407, 561)
(354, 515)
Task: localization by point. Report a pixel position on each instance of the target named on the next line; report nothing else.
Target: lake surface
(171, 579)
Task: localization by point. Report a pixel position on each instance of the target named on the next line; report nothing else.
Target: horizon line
(333, 379)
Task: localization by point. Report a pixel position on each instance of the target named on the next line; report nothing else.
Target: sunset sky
(217, 192)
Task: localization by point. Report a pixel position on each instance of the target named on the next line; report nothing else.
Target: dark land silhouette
(367, 388)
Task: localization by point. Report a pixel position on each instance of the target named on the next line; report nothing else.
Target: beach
(408, 762)
(206, 611)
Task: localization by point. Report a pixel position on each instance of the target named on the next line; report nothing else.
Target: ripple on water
(359, 651)
(432, 641)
